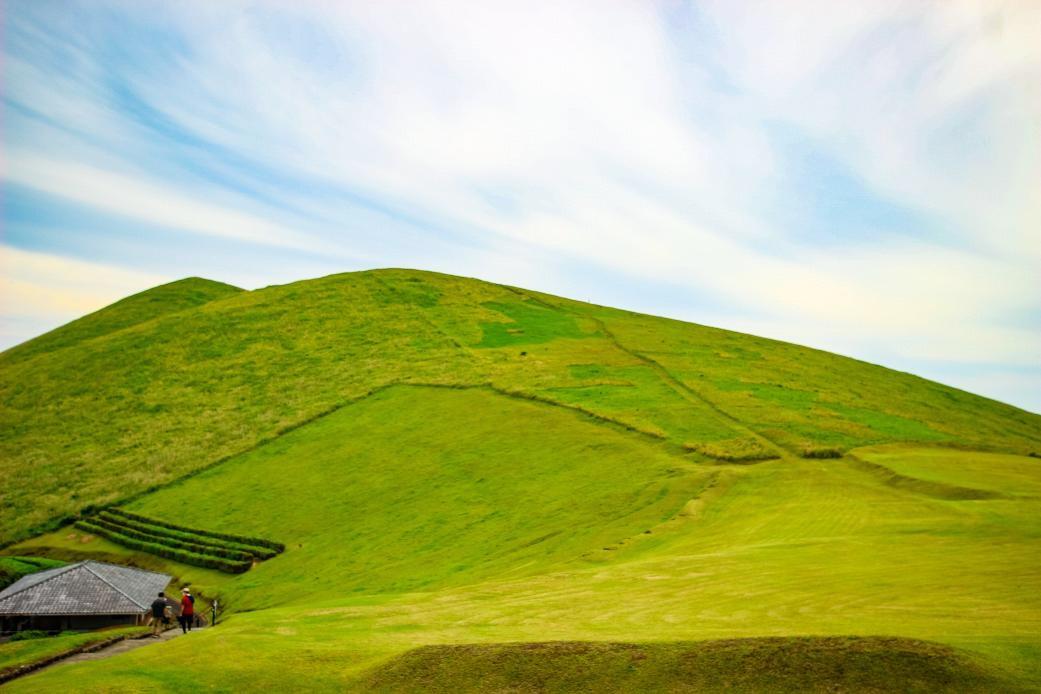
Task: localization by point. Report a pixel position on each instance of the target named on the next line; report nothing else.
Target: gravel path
(116, 648)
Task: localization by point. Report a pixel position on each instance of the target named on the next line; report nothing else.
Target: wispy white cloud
(147, 202)
(643, 140)
(934, 103)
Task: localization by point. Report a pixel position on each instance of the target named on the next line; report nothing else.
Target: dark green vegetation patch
(256, 545)
(13, 568)
(797, 664)
(221, 551)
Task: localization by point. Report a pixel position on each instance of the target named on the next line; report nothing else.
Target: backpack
(192, 598)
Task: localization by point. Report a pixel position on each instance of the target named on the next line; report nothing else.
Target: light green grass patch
(475, 484)
(529, 323)
(1013, 475)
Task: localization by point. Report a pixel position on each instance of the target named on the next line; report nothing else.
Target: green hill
(449, 461)
(147, 390)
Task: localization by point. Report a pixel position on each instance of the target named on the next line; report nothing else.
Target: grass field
(485, 466)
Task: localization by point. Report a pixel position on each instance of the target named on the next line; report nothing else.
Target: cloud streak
(859, 178)
(147, 202)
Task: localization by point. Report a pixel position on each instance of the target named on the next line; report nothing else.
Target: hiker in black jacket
(159, 607)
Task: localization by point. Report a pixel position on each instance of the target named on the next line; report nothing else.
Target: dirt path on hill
(117, 648)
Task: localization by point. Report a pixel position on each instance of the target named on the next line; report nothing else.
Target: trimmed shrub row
(173, 543)
(733, 450)
(257, 541)
(821, 453)
(185, 557)
(186, 538)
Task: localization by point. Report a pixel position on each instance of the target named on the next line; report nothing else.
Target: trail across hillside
(108, 651)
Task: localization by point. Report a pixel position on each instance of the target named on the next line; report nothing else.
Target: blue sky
(858, 177)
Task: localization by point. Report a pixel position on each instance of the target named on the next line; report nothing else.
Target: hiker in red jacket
(187, 610)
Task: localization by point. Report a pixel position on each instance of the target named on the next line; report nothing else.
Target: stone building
(80, 596)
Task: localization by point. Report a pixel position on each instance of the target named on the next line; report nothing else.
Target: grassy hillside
(411, 521)
(783, 548)
(166, 395)
(408, 489)
(482, 487)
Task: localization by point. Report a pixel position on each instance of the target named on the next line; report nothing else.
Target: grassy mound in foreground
(795, 664)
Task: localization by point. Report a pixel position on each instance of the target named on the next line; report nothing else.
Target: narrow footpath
(117, 648)
(108, 651)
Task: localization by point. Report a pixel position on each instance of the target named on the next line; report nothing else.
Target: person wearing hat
(187, 610)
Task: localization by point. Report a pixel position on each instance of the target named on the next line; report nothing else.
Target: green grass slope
(408, 490)
(455, 467)
(154, 395)
(425, 516)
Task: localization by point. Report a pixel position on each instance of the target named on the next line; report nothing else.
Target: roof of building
(84, 588)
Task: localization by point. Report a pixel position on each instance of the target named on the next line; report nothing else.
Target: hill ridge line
(681, 388)
(118, 331)
(690, 394)
(429, 321)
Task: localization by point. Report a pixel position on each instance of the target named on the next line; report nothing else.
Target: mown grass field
(450, 462)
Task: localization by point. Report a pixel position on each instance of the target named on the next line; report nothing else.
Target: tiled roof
(87, 587)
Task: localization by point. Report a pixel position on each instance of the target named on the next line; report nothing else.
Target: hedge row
(186, 538)
(206, 561)
(259, 542)
(821, 453)
(173, 543)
